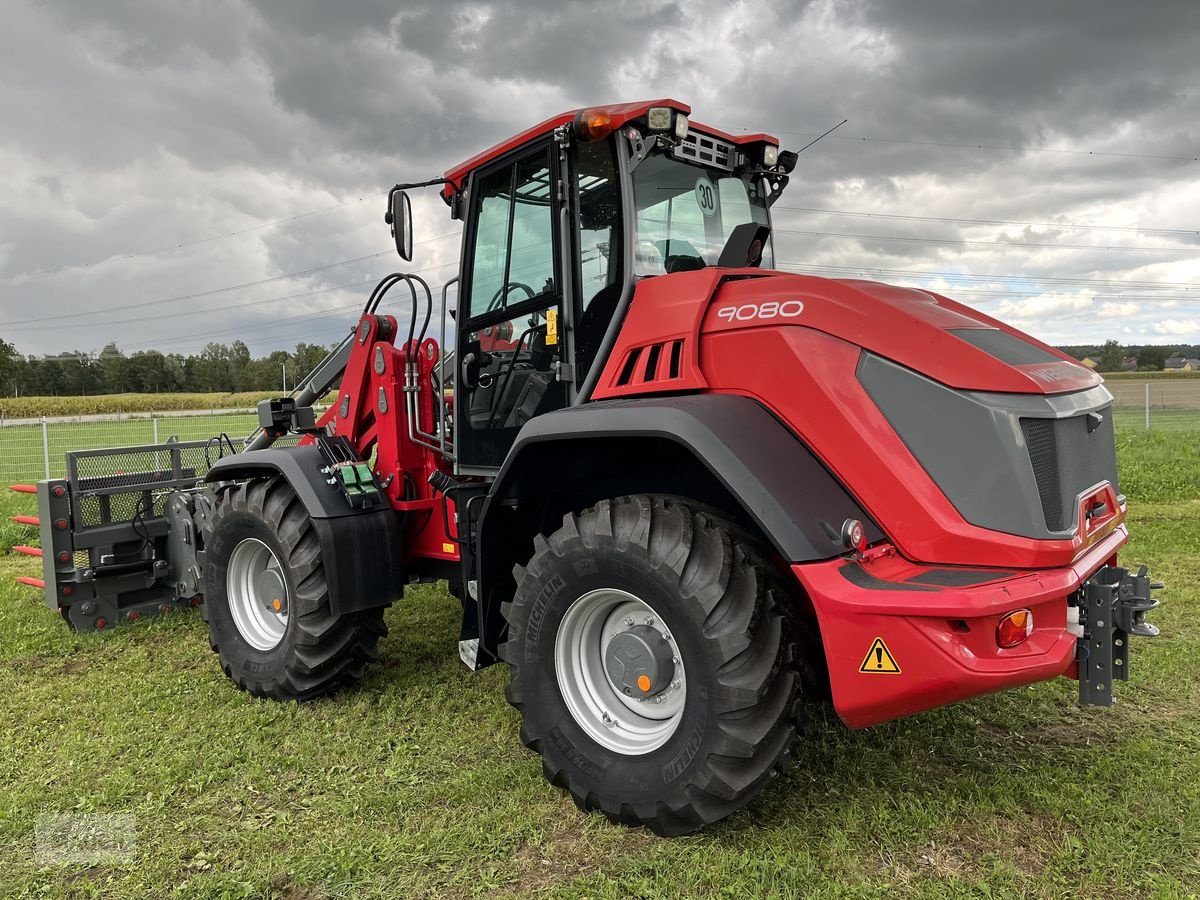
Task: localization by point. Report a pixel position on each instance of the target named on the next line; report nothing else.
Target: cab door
(509, 344)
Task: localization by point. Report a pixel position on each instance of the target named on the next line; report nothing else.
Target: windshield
(685, 214)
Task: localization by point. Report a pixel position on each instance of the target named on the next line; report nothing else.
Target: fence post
(46, 447)
(1147, 406)
(154, 419)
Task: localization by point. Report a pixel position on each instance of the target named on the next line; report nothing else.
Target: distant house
(1091, 362)
(1181, 364)
(1129, 364)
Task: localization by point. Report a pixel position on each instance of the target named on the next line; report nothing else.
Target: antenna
(826, 134)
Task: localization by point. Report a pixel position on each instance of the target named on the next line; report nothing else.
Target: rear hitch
(1112, 607)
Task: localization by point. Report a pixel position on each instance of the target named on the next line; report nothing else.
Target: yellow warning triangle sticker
(879, 660)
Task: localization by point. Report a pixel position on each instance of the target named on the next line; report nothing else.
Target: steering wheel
(501, 295)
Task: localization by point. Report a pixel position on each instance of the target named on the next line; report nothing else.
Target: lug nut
(629, 621)
(649, 620)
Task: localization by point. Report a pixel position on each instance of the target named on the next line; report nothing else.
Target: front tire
(654, 588)
(267, 601)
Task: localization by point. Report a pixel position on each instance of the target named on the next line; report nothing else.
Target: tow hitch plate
(1112, 607)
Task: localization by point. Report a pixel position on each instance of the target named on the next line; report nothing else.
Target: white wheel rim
(258, 594)
(621, 723)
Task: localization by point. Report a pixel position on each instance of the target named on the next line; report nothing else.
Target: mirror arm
(457, 192)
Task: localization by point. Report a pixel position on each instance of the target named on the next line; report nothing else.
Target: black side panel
(301, 466)
(952, 578)
(859, 577)
(362, 559)
(781, 486)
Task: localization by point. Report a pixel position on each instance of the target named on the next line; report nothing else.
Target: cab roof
(620, 113)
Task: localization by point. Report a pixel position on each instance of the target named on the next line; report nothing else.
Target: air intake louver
(652, 363)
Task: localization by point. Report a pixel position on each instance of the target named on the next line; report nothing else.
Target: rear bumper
(938, 627)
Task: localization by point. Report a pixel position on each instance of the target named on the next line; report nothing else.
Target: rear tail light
(1014, 628)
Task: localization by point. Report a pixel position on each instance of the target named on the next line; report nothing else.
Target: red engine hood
(912, 327)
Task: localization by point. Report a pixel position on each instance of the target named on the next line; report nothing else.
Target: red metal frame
(377, 424)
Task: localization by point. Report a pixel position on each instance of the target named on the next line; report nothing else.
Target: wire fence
(34, 449)
(1156, 405)
(31, 449)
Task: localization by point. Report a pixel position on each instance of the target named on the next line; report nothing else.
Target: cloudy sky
(178, 172)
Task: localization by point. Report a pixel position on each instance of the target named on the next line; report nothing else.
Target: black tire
(319, 653)
(727, 609)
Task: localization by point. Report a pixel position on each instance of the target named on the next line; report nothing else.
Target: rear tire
(261, 542)
(711, 588)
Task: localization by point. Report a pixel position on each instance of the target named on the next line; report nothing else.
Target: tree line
(1112, 357)
(221, 368)
(218, 368)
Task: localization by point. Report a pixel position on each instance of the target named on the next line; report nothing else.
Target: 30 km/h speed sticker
(879, 660)
(706, 196)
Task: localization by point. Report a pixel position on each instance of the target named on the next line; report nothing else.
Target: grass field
(416, 784)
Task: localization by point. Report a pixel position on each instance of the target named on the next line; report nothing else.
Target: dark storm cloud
(132, 126)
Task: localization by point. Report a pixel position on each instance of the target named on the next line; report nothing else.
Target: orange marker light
(1014, 628)
(593, 124)
(644, 683)
(277, 604)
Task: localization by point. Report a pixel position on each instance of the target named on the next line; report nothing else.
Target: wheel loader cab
(561, 222)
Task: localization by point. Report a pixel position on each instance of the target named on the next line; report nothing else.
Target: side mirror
(399, 216)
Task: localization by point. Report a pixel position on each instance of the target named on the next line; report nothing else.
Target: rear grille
(1068, 460)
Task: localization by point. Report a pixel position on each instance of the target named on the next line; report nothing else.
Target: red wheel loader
(683, 494)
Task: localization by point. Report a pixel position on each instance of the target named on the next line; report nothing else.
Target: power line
(221, 290)
(1002, 147)
(183, 244)
(335, 312)
(1050, 279)
(1001, 294)
(1060, 225)
(197, 294)
(196, 312)
(960, 241)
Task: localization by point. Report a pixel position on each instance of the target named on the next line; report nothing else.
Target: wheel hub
(257, 593)
(619, 671)
(638, 662)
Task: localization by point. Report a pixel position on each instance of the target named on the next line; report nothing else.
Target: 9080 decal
(772, 309)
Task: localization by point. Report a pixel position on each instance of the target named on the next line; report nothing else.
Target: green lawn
(416, 783)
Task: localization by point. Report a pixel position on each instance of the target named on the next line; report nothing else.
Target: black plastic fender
(566, 460)
(361, 548)
(301, 466)
(781, 486)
